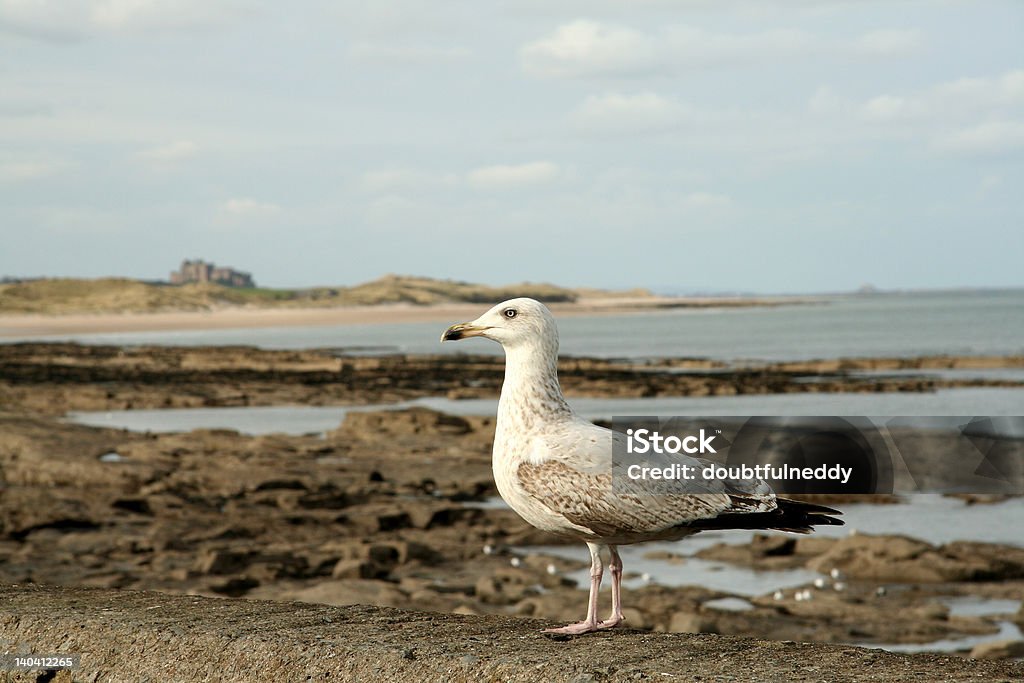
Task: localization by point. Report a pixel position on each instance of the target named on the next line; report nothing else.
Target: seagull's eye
(510, 313)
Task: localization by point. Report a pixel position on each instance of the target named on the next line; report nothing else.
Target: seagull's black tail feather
(790, 515)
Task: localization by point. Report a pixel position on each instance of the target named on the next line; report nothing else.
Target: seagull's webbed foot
(611, 622)
(588, 626)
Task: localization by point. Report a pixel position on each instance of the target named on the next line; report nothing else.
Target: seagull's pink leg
(590, 623)
(615, 566)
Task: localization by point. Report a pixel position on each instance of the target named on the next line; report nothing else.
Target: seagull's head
(512, 323)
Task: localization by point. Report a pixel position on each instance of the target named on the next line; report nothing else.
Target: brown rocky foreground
(392, 509)
(136, 636)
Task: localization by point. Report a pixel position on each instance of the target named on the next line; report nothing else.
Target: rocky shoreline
(51, 379)
(392, 507)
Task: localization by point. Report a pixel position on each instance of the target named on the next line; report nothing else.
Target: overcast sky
(716, 145)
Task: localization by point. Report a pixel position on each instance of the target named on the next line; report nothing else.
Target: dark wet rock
(902, 559)
(139, 506)
(235, 587)
(51, 379)
(359, 569)
(371, 424)
(768, 552)
(223, 561)
(371, 519)
(349, 592)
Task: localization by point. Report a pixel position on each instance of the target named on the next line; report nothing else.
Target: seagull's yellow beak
(463, 330)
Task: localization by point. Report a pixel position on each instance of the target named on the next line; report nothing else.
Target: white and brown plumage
(555, 469)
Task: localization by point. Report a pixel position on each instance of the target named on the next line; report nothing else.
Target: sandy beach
(33, 325)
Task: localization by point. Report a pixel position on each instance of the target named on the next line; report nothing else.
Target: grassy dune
(121, 295)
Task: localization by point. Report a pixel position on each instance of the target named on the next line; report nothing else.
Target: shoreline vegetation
(125, 295)
(70, 306)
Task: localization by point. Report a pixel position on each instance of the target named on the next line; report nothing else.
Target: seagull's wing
(572, 472)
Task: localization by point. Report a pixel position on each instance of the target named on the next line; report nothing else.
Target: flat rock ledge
(147, 636)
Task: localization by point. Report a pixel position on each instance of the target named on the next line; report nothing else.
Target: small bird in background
(556, 469)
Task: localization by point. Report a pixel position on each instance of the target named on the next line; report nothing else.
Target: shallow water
(1007, 631)
(994, 374)
(252, 420)
(973, 606)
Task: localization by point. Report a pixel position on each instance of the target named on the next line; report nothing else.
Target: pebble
(515, 562)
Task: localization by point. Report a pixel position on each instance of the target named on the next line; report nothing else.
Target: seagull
(555, 469)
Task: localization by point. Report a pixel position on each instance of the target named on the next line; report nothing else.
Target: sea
(972, 323)
(988, 322)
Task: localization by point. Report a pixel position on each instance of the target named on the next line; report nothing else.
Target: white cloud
(517, 175)
(249, 208)
(891, 42)
(120, 15)
(586, 48)
(996, 91)
(76, 19)
(645, 111)
(170, 153)
(989, 138)
(892, 108)
(953, 100)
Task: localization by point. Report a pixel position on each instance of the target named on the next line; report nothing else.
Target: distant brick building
(201, 271)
